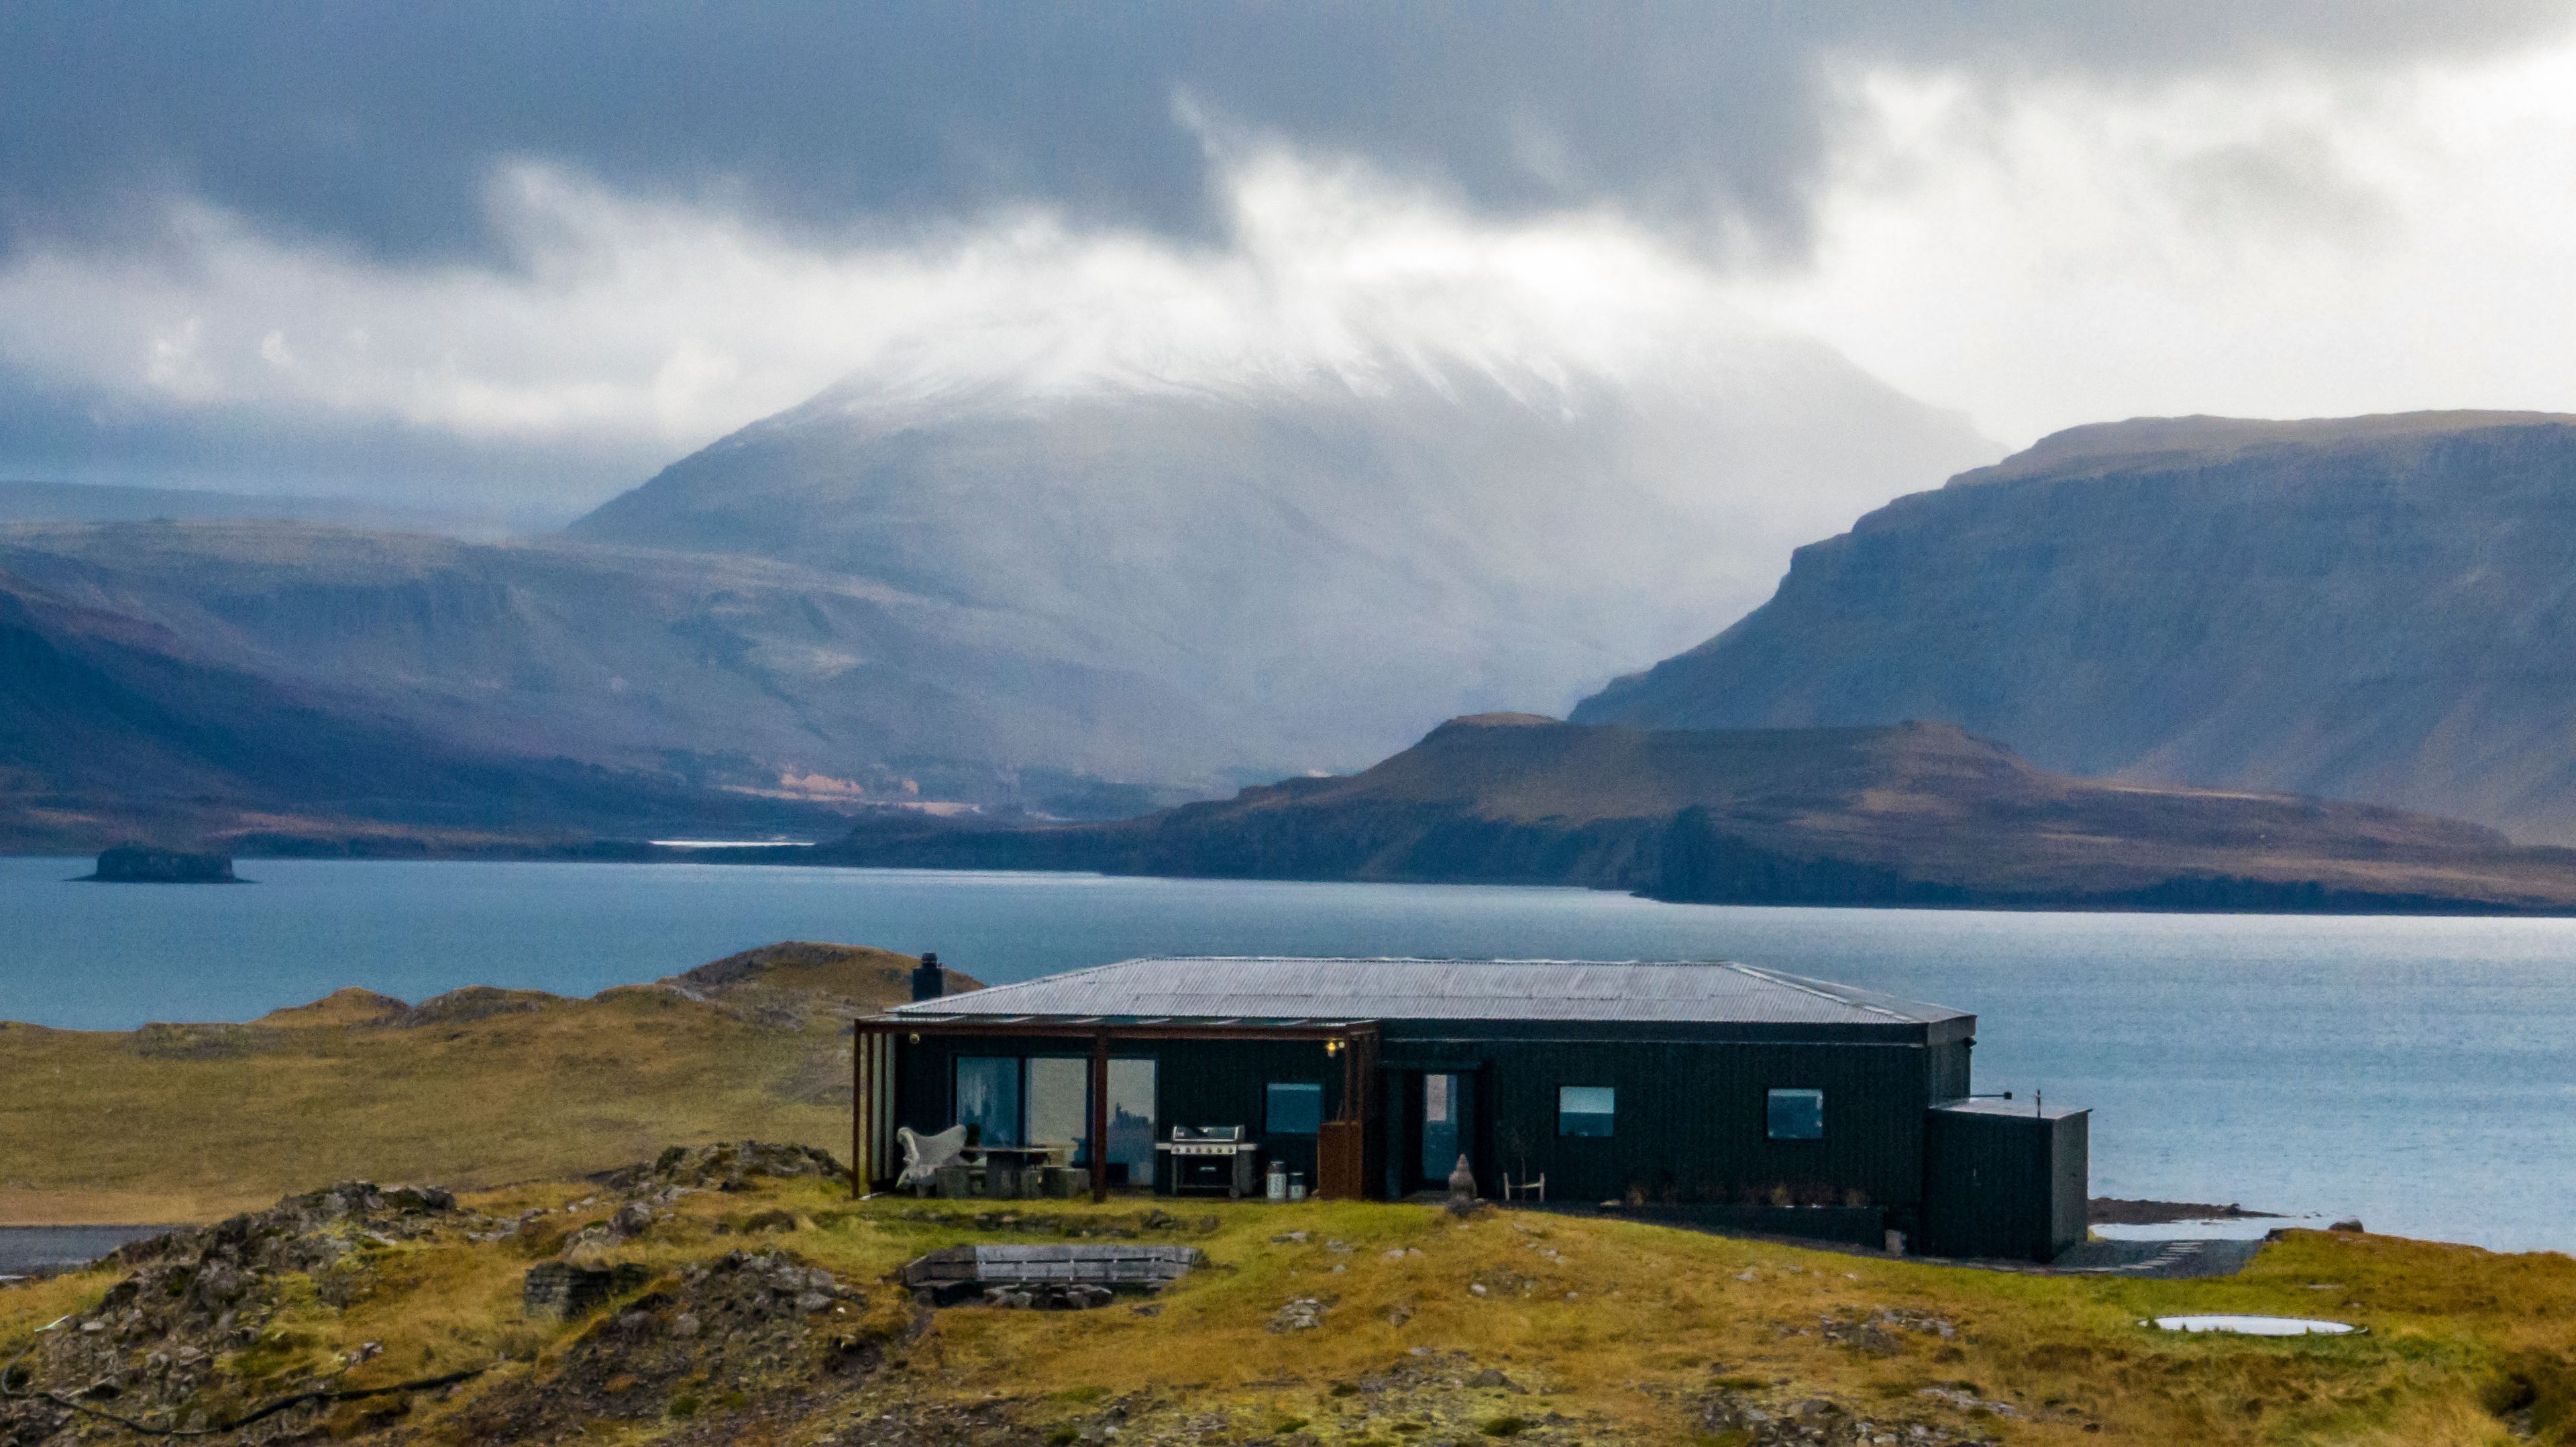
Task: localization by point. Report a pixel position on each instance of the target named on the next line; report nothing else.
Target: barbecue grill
(1210, 1158)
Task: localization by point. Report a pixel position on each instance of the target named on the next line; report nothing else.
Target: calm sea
(2418, 1073)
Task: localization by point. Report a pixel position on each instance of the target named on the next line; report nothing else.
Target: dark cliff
(2379, 609)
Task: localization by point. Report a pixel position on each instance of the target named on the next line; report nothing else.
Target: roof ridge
(1416, 987)
(1803, 983)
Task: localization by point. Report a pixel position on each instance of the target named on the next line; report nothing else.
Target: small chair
(923, 1155)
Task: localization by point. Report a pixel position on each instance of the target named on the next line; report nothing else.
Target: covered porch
(1103, 1095)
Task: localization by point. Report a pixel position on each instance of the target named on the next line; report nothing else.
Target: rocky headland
(1917, 814)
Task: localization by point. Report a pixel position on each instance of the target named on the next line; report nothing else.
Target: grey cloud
(55, 432)
(377, 123)
(2291, 181)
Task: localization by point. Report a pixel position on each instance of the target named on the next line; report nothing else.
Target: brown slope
(1916, 813)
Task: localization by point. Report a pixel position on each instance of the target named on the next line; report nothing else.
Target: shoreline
(2232, 896)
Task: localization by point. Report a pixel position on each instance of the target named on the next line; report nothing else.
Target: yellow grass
(192, 1123)
(1659, 1320)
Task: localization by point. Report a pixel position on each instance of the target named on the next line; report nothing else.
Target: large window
(1131, 1122)
(988, 1098)
(1296, 1108)
(1797, 1115)
(1045, 1100)
(1586, 1110)
(1059, 1104)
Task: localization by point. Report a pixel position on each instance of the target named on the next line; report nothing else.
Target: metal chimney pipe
(927, 981)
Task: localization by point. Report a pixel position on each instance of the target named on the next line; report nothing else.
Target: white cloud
(2047, 251)
(2037, 251)
(619, 319)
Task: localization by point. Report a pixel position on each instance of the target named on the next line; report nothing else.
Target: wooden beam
(1076, 1029)
(861, 1108)
(1100, 1116)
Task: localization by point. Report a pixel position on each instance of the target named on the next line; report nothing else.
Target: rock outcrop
(141, 864)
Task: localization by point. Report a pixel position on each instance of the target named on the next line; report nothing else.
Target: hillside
(761, 1305)
(1915, 814)
(705, 683)
(116, 730)
(86, 502)
(1316, 564)
(477, 1087)
(2380, 609)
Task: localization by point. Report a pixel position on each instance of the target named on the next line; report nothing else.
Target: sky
(528, 253)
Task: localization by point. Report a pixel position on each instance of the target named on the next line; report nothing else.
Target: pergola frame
(872, 1074)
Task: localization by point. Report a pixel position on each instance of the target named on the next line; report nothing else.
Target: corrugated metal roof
(1273, 990)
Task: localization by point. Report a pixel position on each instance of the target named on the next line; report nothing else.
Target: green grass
(2459, 1339)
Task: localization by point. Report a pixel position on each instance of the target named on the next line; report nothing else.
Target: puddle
(2256, 1325)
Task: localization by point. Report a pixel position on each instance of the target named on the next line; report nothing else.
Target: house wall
(2005, 1186)
(1947, 1063)
(1692, 1117)
(1691, 1123)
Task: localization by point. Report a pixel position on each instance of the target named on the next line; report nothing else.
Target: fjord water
(2418, 1073)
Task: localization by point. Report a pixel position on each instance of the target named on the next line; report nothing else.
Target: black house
(1707, 1088)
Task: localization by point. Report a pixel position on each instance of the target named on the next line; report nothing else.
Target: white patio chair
(923, 1155)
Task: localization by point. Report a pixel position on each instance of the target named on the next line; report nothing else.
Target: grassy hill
(477, 1087)
(1424, 1330)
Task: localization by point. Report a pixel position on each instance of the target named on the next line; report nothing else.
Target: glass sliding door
(988, 1098)
(1131, 1121)
(1060, 1104)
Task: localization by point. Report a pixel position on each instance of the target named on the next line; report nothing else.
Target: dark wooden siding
(1692, 1123)
(2009, 1187)
(1948, 1064)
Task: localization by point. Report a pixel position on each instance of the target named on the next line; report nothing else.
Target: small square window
(1296, 1108)
(1797, 1115)
(1586, 1110)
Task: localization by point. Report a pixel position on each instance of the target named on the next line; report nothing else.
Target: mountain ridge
(1911, 814)
(1251, 544)
(2374, 609)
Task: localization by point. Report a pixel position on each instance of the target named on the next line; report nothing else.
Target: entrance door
(1439, 1127)
(1443, 1111)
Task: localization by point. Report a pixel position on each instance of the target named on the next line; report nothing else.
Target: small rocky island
(139, 864)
